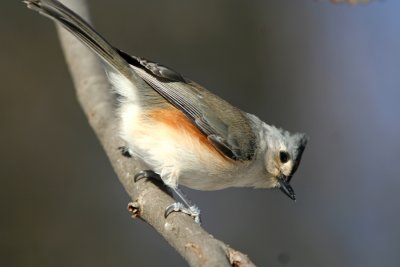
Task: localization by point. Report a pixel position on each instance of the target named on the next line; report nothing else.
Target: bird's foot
(125, 151)
(185, 207)
(192, 210)
(148, 174)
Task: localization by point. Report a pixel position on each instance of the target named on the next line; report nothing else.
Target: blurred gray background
(332, 71)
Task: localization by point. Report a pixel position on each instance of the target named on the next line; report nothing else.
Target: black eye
(284, 156)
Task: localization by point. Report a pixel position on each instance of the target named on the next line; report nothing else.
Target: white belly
(174, 152)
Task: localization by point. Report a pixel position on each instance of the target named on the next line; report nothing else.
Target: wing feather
(225, 126)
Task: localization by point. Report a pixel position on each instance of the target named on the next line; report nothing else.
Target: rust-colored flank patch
(176, 119)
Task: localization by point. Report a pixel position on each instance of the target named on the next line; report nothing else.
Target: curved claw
(125, 151)
(146, 174)
(174, 207)
(193, 211)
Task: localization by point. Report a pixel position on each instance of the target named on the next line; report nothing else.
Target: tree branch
(195, 245)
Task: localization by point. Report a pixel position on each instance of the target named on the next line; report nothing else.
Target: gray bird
(185, 134)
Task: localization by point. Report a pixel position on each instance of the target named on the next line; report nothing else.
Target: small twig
(196, 246)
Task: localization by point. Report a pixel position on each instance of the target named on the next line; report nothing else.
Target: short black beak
(285, 187)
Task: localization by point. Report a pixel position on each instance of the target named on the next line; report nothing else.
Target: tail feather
(82, 30)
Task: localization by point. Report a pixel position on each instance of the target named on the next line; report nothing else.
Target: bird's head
(282, 158)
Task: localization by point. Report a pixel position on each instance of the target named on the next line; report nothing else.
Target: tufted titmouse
(185, 134)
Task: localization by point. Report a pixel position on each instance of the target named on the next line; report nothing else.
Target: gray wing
(225, 126)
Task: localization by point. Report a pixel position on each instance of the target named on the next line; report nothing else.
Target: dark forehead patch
(299, 152)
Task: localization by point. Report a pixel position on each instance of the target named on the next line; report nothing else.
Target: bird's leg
(186, 206)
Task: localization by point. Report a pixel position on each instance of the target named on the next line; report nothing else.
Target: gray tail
(82, 30)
